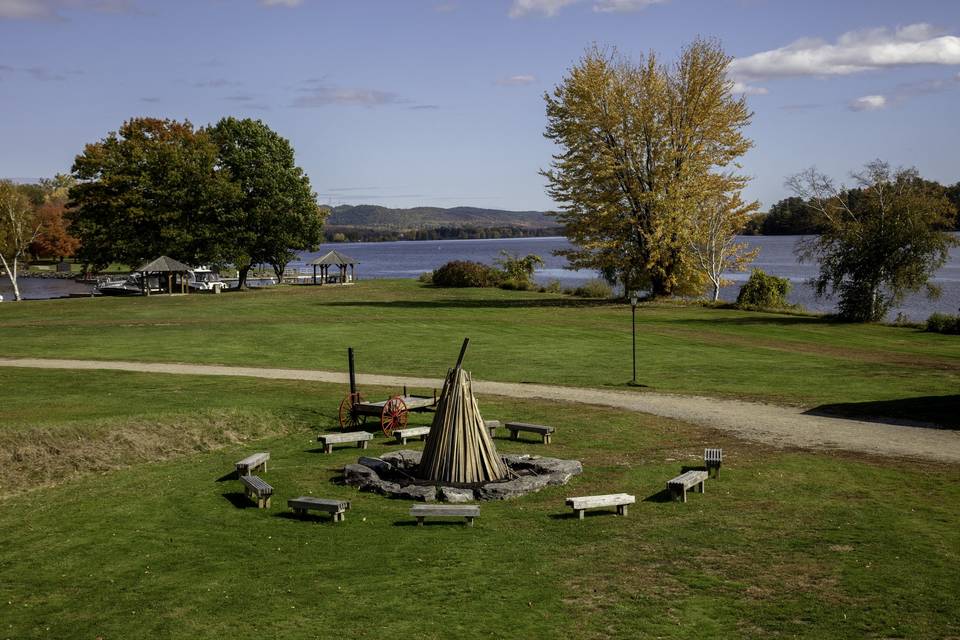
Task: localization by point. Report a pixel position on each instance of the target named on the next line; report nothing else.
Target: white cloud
(853, 52)
(281, 3)
(517, 81)
(748, 90)
(546, 7)
(317, 95)
(618, 6)
(550, 8)
(50, 9)
(868, 103)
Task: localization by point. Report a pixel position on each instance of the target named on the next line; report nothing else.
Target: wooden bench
(691, 479)
(493, 425)
(468, 511)
(330, 439)
(516, 427)
(618, 500)
(712, 459)
(403, 435)
(251, 462)
(336, 508)
(257, 489)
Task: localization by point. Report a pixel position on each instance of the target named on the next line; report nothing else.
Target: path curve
(772, 424)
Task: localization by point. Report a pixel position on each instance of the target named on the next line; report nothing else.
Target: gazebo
(164, 265)
(331, 259)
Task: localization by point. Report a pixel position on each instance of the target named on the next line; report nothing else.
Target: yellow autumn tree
(642, 145)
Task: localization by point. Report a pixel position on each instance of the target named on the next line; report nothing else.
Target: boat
(203, 278)
(132, 285)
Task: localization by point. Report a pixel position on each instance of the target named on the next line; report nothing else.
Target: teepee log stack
(460, 449)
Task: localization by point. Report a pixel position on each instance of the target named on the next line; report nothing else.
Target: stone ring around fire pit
(394, 475)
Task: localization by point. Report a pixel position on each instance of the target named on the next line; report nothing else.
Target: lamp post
(633, 327)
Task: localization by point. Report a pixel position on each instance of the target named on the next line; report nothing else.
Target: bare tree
(18, 228)
(713, 238)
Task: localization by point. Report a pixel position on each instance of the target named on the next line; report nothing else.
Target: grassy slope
(785, 543)
(402, 327)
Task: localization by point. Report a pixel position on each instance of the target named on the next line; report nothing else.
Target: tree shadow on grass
(784, 320)
(473, 304)
(239, 500)
(940, 412)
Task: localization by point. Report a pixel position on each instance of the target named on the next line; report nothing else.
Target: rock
(382, 467)
(512, 488)
(454, 494)
(559, 471)
(513, 460)
(405, 459)
(417, 492)
(357, 474)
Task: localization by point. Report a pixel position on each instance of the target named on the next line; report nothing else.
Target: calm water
(410, 259)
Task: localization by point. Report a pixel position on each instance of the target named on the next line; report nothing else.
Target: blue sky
(439, 102)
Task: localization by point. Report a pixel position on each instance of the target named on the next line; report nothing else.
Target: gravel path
(772, 424)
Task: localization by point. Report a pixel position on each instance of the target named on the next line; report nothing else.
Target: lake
(409, 259)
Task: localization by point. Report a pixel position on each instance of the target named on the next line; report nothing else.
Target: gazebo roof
(333, 257)
(163, 263)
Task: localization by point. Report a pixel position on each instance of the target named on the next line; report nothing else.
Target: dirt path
(771, 424)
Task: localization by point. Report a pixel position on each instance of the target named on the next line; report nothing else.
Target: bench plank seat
(330, 439)
(257, 489)
(467, 511)
(252, 462)
(402, 435)
(618, 500)
(335, 508)
(712, 459)
(544, 431)
(691, 479)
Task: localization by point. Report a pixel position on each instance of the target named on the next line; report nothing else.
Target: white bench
(468, 511)
(403, 435)
(336, 508)
(712, 459)
(330, 439)
(493, 425)
(618, 500)
(691, 479)
(252, 462)
(544, 431)
(257, 489)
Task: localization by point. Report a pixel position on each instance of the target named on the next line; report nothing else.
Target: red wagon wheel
(349, 416)
(394, 415)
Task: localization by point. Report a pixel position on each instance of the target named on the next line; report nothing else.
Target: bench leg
(328, 448)
(419, 521)
(703, 484)
(622, 510)
(469, 520)
(403, 441)
(546, 438)
(580, 513)
(423, 438)
(513, 435)
(266, 503)
(362, 444)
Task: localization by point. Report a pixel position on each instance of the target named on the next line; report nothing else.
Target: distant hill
(372, 223)
(372, 216)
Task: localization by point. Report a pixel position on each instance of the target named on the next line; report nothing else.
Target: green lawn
(143, 532)
(403, 327)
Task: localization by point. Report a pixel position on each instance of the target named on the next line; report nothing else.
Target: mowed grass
(786, 543)
(406, 328)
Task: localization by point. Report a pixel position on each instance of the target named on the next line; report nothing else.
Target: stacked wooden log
(460, 449)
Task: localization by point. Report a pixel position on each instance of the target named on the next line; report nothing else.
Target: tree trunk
(242, 277)
(12, 276)
(716, 291)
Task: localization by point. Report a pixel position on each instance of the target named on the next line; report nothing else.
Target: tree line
(334, 233)
(646, 177)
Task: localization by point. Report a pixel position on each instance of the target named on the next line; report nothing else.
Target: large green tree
(643, 147)
(149, 189)
(276, 210)
(880, 239)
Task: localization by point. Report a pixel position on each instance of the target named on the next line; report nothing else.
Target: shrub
(463, 273)
(551, 287)
(763, 290)
(944, 323)
(594, 288)
(512, 284)
(426, 277)
(517, 270)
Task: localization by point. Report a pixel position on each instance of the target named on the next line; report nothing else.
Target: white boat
(205, 279)
(131, 285)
